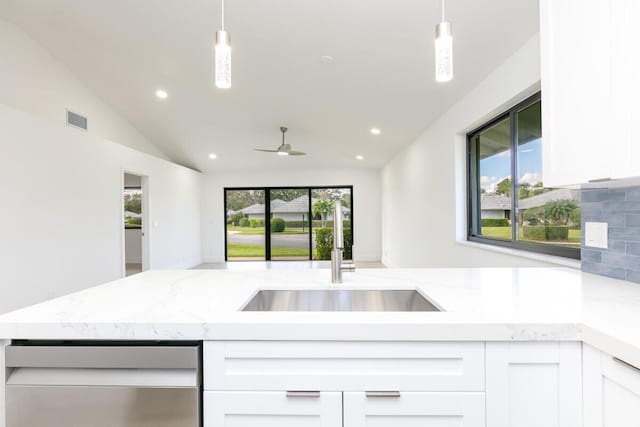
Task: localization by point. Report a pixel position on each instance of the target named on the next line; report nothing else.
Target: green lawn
(249, 251)
(260, 230)
(505, 233)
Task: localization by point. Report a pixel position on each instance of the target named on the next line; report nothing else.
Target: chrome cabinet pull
(383, 394)
(302, 393)
(627, 364)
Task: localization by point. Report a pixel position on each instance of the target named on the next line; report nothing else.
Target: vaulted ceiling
(382, 73)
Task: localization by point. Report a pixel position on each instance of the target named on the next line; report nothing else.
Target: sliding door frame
(267, 213)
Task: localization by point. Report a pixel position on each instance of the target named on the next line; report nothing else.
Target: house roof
(495, 202)
(549, 196)
(491, 202)
(129, 214)
(297, 205)
(257, 208)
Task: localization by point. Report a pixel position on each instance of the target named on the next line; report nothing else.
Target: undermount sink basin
(339, 300)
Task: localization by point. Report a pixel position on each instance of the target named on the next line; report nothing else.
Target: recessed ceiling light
(212, 156)
(376, 131)
(327, 58)
(360, 157)
(162, 94)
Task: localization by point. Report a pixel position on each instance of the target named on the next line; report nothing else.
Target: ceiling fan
(283, 149)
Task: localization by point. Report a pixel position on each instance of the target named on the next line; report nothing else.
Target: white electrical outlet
(596, 234)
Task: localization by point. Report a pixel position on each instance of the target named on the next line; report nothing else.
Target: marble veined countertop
(483, 304)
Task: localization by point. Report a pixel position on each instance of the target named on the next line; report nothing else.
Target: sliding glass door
(289, 223)
(245, 224)
(281, 223)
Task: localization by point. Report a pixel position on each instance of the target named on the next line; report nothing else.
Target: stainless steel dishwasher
(79, 385)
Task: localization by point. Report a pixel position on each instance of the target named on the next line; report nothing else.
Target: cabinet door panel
(534, 384)
(271, 409)
(576, 42)
(611, 391)
(415, 409)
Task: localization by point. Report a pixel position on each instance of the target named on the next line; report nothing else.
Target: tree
(524, 190)
(133, 202)
(504, 187)
(322, 208)
(558, 212)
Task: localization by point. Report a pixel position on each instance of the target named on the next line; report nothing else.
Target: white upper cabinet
(590, 57)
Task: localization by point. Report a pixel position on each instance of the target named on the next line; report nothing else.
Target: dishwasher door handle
(160, 378)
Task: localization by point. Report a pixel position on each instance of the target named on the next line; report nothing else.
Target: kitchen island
(546, 334)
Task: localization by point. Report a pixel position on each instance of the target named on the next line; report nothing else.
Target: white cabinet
(590, 57)
(414, 409)
(534, 384)
(272, 409)
(611, 391)
(344, 365)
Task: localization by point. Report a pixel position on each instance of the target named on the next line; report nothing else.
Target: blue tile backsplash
(620, 208)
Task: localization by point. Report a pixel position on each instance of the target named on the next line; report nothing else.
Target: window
(299, 226)
(508, 202)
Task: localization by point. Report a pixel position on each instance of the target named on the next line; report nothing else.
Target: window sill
(565, 262)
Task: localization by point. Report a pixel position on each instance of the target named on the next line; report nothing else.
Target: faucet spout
(337, 254)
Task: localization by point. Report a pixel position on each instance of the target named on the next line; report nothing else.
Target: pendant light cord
(442, 9)
(222, 15)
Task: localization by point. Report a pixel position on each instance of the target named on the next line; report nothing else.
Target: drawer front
(349, 366)
(272, 409)
(411, 409)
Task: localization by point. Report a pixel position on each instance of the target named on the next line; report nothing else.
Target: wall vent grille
(76, 120)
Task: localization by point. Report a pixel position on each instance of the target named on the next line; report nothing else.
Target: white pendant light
(444, 50)
(223, 57)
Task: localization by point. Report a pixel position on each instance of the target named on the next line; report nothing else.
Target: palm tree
(322, 208)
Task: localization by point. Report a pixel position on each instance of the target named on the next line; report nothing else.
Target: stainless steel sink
(339, 300)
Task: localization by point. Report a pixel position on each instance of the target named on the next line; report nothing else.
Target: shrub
(546, 232)
(297, 224)
(495, 222)
(255, 223)
(277, 225)
(236, 217)
(329, 224)
(324, 243)
(244, 222)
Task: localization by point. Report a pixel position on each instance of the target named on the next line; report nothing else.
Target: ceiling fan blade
(297, 153)
(265, 151)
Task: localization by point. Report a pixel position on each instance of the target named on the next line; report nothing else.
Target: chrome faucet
(338, 265)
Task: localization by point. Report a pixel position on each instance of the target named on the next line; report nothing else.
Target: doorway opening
(134, 212)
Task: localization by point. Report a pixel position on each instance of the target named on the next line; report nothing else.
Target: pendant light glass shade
(444, 52)
(223, 57)
(223, 60)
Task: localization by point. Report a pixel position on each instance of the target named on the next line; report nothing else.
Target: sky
(497, 167)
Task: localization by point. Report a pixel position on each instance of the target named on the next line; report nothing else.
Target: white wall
(366, 202)
(32, 80)
(424, 186)
(61, 210)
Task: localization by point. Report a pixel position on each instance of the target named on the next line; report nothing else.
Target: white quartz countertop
(483, 304)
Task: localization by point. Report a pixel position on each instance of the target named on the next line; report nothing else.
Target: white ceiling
(382, 75)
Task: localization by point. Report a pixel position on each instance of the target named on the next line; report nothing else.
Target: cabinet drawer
(271, 409)
(414, 409)
(334, 365)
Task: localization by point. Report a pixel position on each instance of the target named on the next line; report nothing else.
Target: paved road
(298, 241)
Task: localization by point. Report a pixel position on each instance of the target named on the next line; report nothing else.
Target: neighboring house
(294, 210)
(495, 206)
(550, 196)
(129, 214)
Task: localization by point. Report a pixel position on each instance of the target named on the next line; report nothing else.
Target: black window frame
(474, 194)
(267, 223)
